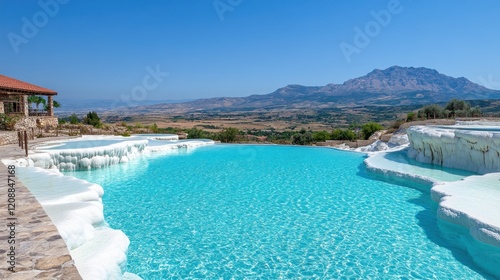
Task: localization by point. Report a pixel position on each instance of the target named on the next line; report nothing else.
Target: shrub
(7, 122)
(93, 119)
(228, 135)
(73, 119)
(320, 136)
(411, 116)
(339, 134)
(369, 128)
(302, 138)
(154, 128)
(196, 133)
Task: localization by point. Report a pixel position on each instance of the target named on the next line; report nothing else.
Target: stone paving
(40, 252)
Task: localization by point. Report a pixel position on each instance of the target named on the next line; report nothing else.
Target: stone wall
(353, 144)
(8, 137)
(35, 122)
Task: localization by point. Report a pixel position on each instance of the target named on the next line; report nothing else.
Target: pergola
(14, 98)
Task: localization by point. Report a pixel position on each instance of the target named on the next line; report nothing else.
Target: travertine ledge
(40, 251)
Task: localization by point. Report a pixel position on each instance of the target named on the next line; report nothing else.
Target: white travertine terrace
(456, 147)
(75, 205)
(472, 202)
(93, 152)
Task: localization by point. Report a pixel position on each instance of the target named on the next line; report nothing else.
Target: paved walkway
(13, 151)
(39, 252)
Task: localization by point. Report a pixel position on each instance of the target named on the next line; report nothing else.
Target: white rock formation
(374, 147)
(476, 151)
(471, 202)
(474, 203)
(75, 207)
(88, 158)
(396, 142)
(96, 151)
(400, 139)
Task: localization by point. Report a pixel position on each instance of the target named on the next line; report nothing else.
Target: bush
(7, 122)
(457, 107)
(339, 134)
(433, 111)
(369, 128)
(228, 135)
(73, 119)
(302, 138)
(196, 133)
(93, 119)
(320, 136)
(154, 128)
(411, 116)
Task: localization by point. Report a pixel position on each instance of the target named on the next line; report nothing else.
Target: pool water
(272, 212)
(80, 144)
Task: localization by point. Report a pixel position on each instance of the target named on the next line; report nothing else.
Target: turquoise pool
(272, 212)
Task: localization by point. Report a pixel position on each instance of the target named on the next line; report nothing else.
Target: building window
(13, 105)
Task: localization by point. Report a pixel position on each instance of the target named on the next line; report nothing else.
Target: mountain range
(390, 87)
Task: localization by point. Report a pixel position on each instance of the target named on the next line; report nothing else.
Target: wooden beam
(26, 142)
(22, 140)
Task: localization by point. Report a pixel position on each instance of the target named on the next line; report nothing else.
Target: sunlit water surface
(273, 212)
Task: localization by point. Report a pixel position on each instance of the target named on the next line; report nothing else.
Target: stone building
(14, 102)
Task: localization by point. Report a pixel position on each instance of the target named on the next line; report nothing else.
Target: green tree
(346, 134)
(228, 135)
(303, 137)
(55, 104)
(433, 111)
(37, 100)
(476, 112)
(93, 119)
(336, 134)
(411, 116)
(320, 136)
(196, 133)
(457, 106)
(73, 119)
(369, 128)
(154, 128)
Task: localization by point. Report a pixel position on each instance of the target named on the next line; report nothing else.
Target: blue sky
(108, 49)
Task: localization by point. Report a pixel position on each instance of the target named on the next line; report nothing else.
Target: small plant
(369, 128)
(93, 119)
(411, 116)
(7, 122)
(154, 128)
(73, 119)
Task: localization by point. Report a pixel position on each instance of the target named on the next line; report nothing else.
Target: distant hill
(70, 106)
(393, 86)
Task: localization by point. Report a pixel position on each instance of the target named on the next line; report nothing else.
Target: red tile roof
(13, 85)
